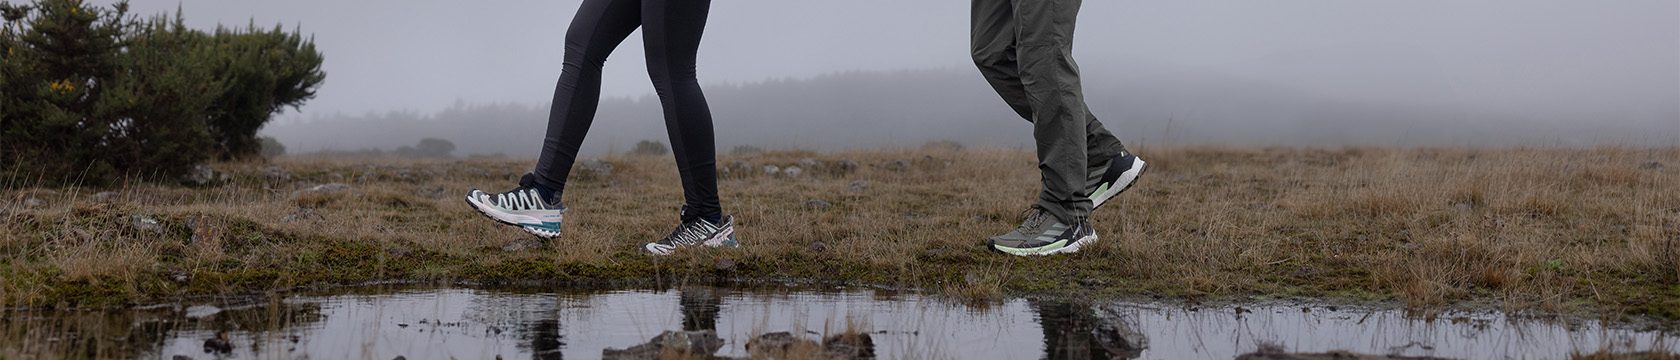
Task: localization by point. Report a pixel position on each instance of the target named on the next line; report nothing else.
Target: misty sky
(1584, 60)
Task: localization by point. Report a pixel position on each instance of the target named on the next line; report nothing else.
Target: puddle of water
(515, 324)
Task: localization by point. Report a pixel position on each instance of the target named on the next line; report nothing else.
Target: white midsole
(512, 218)
(1120, 184)
(1072, 248)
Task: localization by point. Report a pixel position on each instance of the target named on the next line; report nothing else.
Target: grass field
(1585, 231)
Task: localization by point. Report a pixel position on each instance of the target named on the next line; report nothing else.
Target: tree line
(90, 95)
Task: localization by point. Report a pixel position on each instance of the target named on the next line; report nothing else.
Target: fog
(865, 73)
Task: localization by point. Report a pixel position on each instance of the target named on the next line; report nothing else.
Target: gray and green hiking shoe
(522, 207)
(1043, 234)
(696, 231)
(1115, 177)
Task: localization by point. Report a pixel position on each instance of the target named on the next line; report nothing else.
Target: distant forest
(908, 108)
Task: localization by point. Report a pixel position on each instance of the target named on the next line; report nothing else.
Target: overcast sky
(1601, 60)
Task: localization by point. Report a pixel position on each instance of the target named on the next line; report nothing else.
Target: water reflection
(379, 323)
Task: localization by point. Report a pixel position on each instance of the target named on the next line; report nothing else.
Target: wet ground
(463, 323)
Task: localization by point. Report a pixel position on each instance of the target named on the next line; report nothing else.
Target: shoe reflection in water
(1073, 331)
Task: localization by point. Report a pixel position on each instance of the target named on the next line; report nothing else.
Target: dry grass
(1526, 228)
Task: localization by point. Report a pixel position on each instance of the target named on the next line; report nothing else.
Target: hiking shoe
(1042, 234)
(1115, 177)
(523, 207)
(696, 231)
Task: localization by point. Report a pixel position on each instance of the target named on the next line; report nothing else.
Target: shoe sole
(1069, 249)
(724, 238)
(515, 220)
(1128, 178)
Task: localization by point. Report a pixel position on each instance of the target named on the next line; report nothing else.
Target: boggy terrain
(1582, 231)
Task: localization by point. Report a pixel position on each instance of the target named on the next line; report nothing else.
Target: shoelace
(520, 199)
(1034, 219)
(686, 234)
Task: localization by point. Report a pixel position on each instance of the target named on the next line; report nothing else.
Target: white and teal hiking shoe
(1115, 177)
(1043, 234)
(522, 207)
(696, 231)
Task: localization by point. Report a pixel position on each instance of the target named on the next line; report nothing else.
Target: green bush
(89, 95)
(272, 147)
(428, 148)
(649, 148)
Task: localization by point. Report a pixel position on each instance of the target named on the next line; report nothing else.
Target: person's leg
(992, 45)
(671, 32)
(598, 28)
(1061, 123)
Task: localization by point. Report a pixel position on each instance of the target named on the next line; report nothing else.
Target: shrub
(649, 148)
(271, 147)
(90, 94)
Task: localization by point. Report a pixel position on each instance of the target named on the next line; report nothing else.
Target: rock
(199, 174)
(810, 163)
(34, 202)
(1275, 352)
(703, 342)
(846, 166)
(818, 205)
(776, 341)
(725, 265)
(596, 168)
(203, 229)
(859, 185)
(972, 279)
(431, 192)
(793, 172)
(1652, 165)
(333, 190)
(741, 165)
(896, 165)
(303, 213)
(772, 170)
(398, 253)
(218, 344)
(523, 243)
(1119, 335)
(146, 223)
(104, 197)
(276, 174)
(180, 277)
(818, 246)
(1462, 207)
(181, 357)
(849, 346)
(202, 311)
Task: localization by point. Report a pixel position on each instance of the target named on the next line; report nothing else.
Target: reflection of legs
(1067, 331)
(700, 308)
(598, 28)
(545, 339)
(671, 32)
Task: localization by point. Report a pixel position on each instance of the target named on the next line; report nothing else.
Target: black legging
(671, 34)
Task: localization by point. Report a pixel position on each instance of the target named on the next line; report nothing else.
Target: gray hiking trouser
(1025, 50)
